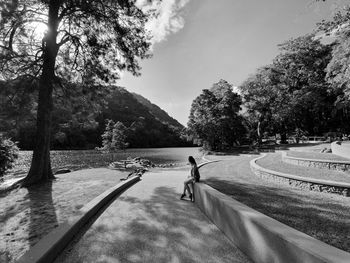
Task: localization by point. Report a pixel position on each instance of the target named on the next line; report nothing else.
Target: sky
(198, 42)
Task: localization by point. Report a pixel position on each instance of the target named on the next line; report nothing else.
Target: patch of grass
(28, 214)
(74, 160)
(310, 147)
(320, 215)
(274, 162)
(316, 155)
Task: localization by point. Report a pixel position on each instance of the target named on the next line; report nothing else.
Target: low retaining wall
(260, 237)
(48, 248)
(341, 149)
(324, 164)
(299, 181)
(206, 162)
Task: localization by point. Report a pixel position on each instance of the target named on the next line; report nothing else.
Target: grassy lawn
(274, 162)
(74, 160)
(320, 215)
(309, 147)
(316, 155)
(26, 215)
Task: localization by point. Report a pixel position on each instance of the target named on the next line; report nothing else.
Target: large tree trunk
(258, 130)
(40, 170)
(283, 138)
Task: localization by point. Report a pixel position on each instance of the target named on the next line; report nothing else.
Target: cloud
(169, 19)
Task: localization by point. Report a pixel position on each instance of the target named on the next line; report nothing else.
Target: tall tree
(114, 137)
(86, 41)
(214, 118)
(301, 64)
(291, 94)
(261, 94)
(338, 72)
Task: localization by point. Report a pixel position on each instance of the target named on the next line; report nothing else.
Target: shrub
(8, 155)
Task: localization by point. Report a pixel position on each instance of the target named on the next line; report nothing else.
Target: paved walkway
(148, 223)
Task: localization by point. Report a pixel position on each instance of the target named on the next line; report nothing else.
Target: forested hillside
(160, 114)
(149, 126)
(79, 122)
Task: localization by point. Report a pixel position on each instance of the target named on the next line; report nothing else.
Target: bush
(8, 155)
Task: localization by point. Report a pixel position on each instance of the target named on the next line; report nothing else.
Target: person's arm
(196, 174)
(192, 173)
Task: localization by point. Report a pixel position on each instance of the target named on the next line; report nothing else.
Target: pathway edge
(48, 248)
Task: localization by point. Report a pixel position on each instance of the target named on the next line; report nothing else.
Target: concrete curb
(206, 162)
(299, 181)
(205, 159)
(48, 248)
(319, 163)
(262, 238)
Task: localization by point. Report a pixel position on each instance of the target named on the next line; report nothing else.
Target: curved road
(148, 223)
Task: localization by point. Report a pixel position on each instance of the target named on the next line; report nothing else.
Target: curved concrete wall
(342, 149)
(260, 237)
(323, 164)
(300, 181)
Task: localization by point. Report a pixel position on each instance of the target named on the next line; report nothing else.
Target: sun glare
(39, 29)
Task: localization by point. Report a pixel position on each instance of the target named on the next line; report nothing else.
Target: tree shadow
(161, 231)
(42, 215)
(29, 214)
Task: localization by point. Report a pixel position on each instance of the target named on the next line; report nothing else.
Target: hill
(79, 122)
(157, 112)
(149, 125)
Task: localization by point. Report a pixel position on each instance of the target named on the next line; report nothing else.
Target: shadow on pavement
(42, 211)
(159, 229)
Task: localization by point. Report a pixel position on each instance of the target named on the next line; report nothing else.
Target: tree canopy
(302, 65)
(305, 90)
(292, 94)
(115, 137)
(93, 40)
(86, 42)
(214, 120)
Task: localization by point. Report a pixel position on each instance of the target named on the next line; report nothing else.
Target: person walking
(192, 178)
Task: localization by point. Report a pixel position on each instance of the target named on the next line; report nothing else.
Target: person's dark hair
(192, 160)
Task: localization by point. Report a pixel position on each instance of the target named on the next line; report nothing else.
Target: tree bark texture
(40, 170)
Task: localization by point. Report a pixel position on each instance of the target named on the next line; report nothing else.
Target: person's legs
(186, 187)
(188, 183)
(191, 186)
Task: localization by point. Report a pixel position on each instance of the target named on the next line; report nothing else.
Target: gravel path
(148, 223)
(274, 162)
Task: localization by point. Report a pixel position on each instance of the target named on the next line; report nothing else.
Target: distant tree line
(304, 91)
